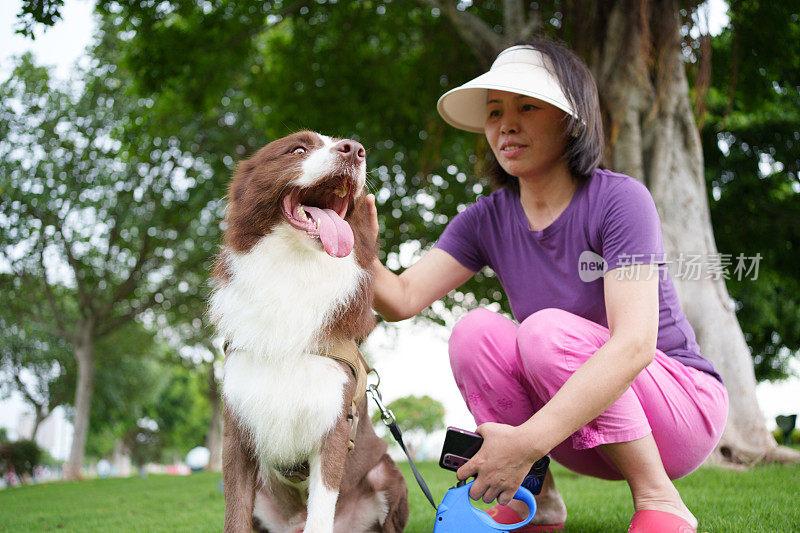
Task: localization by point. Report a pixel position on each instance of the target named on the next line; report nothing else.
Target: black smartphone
(460, 445)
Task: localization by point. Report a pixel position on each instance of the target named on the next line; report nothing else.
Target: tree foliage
(35, 12)
(751, 140)
(125, 180)
(82, 181)
(103, 217)
(181, 410)
(34, 363)
(417, 416)
(418, 413)
(146, 397)
(19, 457)
(129, 376)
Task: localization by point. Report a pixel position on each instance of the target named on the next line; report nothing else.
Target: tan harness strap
(347, 352)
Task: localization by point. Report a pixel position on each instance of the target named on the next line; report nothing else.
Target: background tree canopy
(751, 141)
(179, 91)
(274, 79)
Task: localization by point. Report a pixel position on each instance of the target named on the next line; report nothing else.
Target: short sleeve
(630, 229)
(461, 238)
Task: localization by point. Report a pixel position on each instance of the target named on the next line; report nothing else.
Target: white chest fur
(280, 296)
(282, 293)
(287, 409)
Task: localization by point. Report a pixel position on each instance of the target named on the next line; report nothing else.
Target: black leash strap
(388, 418)
(421, 482)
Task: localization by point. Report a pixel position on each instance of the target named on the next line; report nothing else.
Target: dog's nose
(351, 151)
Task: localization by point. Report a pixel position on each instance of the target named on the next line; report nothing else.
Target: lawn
(765, 499)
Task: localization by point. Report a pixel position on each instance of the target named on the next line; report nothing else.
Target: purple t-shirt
(610, 217)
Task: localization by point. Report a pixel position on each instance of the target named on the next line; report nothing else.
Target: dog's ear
(366, 248)
(242, 175)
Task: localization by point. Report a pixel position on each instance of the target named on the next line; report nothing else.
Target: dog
(292, 284)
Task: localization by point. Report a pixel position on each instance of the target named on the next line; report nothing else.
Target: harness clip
(386, 414)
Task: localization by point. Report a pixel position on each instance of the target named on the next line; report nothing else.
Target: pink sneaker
(503, 514)
(649, 521)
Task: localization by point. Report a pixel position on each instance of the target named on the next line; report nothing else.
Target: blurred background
(122, 122)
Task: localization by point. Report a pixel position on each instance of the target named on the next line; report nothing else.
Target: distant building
(54, 435)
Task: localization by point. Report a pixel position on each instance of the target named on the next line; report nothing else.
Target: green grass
(764, 499)
(154, 503)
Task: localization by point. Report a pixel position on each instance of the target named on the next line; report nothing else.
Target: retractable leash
(455, 514)
(388, 418)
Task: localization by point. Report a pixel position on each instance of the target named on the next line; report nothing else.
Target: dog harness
(344, 352)
(347, 352)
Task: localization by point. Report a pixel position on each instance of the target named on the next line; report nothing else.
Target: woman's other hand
(500, 465)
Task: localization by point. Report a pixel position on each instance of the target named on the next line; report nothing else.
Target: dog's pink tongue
(335, 234)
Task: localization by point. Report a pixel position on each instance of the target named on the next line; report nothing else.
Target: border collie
(292, 282)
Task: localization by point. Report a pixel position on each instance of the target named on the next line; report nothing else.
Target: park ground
(762, 499)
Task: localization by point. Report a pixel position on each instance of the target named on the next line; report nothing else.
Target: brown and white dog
(291, 281)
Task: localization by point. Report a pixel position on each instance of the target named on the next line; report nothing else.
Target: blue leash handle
(456, 514)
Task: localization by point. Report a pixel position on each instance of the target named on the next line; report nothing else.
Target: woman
(601, 369)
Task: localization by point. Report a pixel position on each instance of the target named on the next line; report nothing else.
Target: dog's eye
(299, 151)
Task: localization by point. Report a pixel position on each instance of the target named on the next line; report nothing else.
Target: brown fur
(360, 474)
(356, 320)
(254, 209)
(239, 474)
(220, 271)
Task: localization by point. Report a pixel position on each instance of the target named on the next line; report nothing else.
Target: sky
(59, 46)
(411, 358)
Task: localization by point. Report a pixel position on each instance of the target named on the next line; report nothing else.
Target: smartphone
(460, 445)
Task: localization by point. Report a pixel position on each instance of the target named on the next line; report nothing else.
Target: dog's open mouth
(320, 212)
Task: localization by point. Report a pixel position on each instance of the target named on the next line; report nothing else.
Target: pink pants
(506, 372)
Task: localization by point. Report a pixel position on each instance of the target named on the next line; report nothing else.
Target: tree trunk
(41, 413)
(84, 355)
(214, 437)
(654, 137)
(634, 52)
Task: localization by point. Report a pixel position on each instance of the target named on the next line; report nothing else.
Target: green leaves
(87, 180)
(418, 413)
(179, 91)
(34, 12)
(751, 144)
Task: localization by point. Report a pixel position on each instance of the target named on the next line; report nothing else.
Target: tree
(96, 209)
(33, 12)
(20, 458)
(752, 158)
(398, 60)
(147, 398)
(36, 365)
(129, 376)
(418, 416)
(214, 433)
(144, 444)
(421, 413)
(181, 411)
(185, 329)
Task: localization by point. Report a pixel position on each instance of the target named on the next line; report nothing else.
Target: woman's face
(525, 134)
